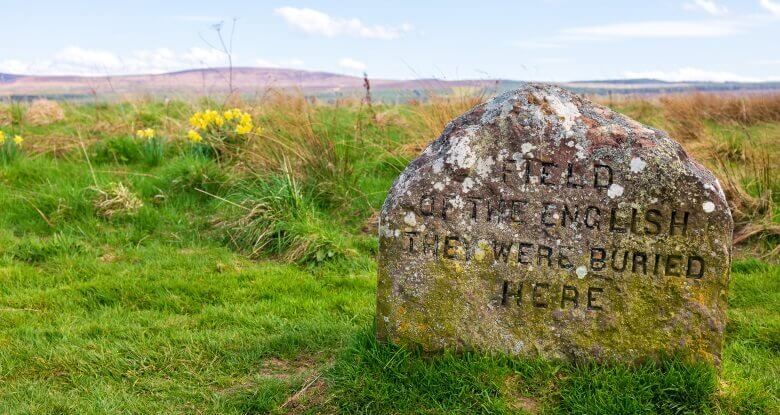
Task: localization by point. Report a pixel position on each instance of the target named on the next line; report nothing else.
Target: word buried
(615, 259)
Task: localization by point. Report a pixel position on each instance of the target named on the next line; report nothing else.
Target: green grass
(163, 311)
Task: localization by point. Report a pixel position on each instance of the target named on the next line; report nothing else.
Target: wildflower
(145, 133)
(245, 124)
(194, 136)
(229, 115)
(242, 129)
(2, 137)
(210, 117)
(198, 121)
(18, 140)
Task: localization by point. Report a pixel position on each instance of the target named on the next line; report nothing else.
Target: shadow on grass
(372, 377)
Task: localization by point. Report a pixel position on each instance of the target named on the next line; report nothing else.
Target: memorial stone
(542, 224)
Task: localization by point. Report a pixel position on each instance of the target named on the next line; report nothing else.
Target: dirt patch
(516, 400)
(275, 368)
(109, 257)
(313, 394)
(529, 405)
(285, 369)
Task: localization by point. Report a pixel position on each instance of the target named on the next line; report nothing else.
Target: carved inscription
(542, 224)
(550, 217)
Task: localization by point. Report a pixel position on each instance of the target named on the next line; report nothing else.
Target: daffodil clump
(153, 147)
(10, 146)
(146, 133)
(215, 128)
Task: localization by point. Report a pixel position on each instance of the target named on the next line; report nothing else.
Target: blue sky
(553, 40)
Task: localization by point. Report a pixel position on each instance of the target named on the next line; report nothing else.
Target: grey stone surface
(541, 224)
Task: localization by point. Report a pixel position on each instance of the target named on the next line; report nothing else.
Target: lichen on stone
(541, 224)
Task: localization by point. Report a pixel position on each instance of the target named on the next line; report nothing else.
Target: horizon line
(314, 71)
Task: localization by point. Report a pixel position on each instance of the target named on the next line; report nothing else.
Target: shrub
(122, 150)
(275, 217)
(192, 175)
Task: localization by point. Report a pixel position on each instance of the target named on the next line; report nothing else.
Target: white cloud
(771, 6)
(93, 62)
(318, 23)
(708, 6)
(282, 63)
(694, 74)
(352, 64)
(14, 66)
(656, 29)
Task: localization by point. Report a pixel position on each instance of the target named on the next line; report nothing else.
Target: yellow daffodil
(212, 125)
(198, 121)
(145, 133)
(202, 120)
(18, 140)
(242, 129)
(229, 115)
(194, 136)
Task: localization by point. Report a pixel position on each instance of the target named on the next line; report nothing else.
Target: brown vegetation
(736, 136)
(44, 112)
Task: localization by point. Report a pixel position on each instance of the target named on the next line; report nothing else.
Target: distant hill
(257, 80)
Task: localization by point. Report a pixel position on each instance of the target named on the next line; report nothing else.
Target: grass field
(236, 274)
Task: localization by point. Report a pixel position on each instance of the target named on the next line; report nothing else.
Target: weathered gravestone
(541, 224)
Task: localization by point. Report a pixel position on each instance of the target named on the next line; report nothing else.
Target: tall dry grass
(320, 144)
(429, 117)
(319, 148)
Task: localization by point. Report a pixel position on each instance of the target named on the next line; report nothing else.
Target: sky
(546, 40)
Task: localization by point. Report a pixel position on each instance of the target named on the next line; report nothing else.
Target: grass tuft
(276, 218)
(115, 200)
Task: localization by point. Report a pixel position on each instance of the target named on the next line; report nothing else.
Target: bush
(191, 175)
(276, 218)
(121, 150)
